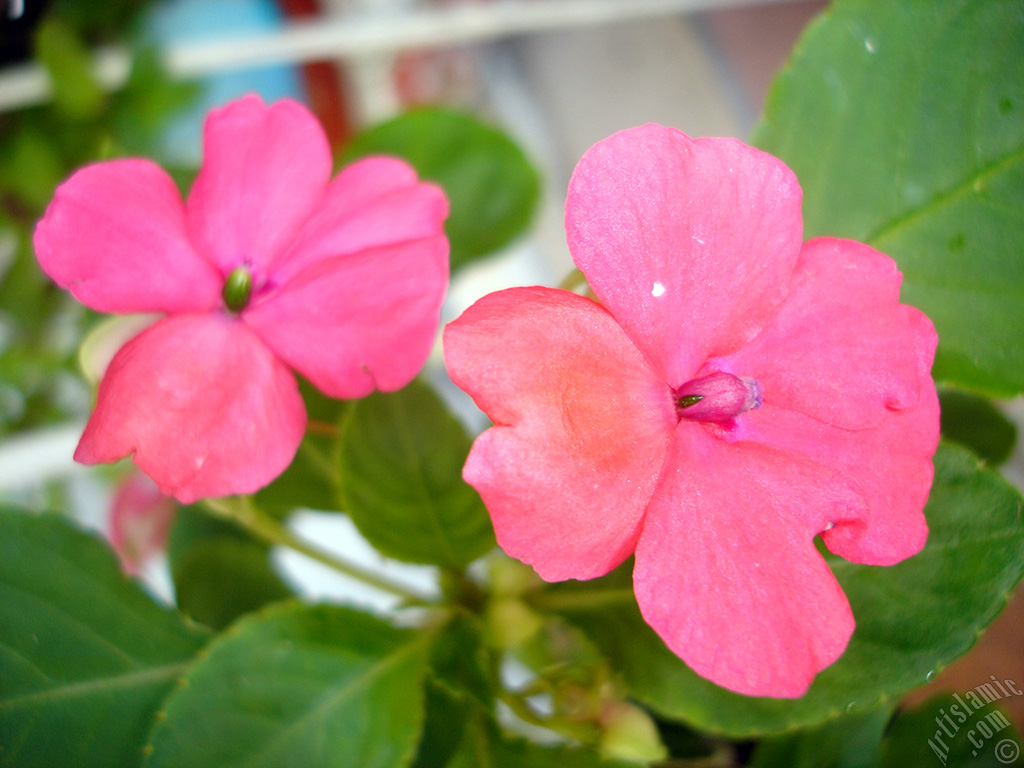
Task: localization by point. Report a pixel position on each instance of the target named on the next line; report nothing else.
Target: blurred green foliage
(40, 146)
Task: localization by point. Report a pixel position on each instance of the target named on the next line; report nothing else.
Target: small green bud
(237, 289)
(508, 623)
(511, 578)
(629, 733)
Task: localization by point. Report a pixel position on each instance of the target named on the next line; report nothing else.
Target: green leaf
(912, 618)
(459, 686)
(316, 687)
(141, 109)
(219, 571)
(976, 423)
(952, 731)
(31, 167)
(105, 19)
(905, 125)
(491, 185)
(85, 656)
(401, 477)
(853, 741)
(443, 728)
(311, 481)
(58, 48)
(459, 663)
(484, 747)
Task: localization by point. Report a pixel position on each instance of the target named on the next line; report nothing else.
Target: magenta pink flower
(734, 394)
(268, 266)
(139, 522)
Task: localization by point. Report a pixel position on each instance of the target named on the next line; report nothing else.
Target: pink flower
(268, 266)
(140, 520)
(733, 395)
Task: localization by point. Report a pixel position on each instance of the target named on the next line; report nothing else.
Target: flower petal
(139, 521)
(265, 169)
(888, 466)
(726, 568)
(114, 235)
(842, 349)
(689, 243)
(374, 202)
(356, 323)
(582, 427)
(204, 406)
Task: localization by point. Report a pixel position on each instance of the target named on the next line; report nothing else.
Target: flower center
(717, 397)
(237, 289)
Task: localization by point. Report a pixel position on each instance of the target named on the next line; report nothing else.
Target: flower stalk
(242, 512)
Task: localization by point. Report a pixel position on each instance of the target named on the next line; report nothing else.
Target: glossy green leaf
(912, 618)
(219, 571)
(974, 422)
(492, 188)
(904, 122)
(950, 731)
(401, 477)
(85, 655)
(852, 741)
(318, 687)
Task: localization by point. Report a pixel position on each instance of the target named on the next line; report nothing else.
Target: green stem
(582, 731)
(321, 463)
(242, 512)
(573, 281)
(582, 598)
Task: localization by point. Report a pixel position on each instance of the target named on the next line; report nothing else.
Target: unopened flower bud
(237, 289)
(718, 397)
(509, 623)
(140, 520)
(510, 578)
(629, 733)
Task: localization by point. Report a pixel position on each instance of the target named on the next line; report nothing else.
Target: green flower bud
(237, 289)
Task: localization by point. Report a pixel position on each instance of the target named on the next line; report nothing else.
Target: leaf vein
(945, 197)
(330, 700)
(96, 685)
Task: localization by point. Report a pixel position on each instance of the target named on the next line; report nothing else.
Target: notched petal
(842, 349)
(583, 424)
(726, 569)
(205, 408)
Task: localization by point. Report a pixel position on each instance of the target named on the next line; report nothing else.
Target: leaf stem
(321, 463)
(322, 428)
(242, 512)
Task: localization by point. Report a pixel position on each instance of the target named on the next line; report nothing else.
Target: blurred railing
(364, 33)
